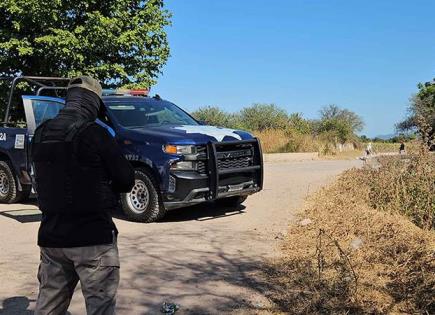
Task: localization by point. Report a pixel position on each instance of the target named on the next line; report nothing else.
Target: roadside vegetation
(421, 117)
(333, 132)
(366, 244)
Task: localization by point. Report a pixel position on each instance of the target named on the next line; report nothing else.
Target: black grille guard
(214, 173)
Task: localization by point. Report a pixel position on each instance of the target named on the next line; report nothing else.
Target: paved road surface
(204, 258)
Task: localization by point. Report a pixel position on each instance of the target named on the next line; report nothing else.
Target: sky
(366, 56)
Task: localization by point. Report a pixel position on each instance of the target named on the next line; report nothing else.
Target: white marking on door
(19, 141)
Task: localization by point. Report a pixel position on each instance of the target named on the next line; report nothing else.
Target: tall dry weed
(281, 141)
(404, 185)
(272, 140)
(359, 253)
(386, 147)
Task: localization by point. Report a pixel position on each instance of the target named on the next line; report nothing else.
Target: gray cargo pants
(97, 269)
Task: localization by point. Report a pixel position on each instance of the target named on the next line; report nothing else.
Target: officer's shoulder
(96, 128)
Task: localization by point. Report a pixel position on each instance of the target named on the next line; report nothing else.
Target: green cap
(88, 83)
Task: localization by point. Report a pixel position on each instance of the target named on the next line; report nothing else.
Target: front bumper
(218, 182)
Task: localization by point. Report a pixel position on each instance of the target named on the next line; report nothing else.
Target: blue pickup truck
(178, 160)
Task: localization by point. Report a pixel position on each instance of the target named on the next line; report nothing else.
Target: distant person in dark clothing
(79, 170)
(402, 148)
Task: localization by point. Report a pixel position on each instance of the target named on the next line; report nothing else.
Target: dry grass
(280, 141)
(386, 147)
(354, 259)
(404, 185)
(344, 155)
(272, 140)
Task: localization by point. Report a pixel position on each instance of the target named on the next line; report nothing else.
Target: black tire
(143, 203)
(9, 192)
(231, 201)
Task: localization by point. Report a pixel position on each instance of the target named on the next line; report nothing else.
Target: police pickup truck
(178, 160)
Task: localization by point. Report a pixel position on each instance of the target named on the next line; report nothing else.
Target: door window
(45, 109)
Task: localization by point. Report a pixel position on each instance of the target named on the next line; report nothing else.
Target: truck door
(38, 109)
(41, 108)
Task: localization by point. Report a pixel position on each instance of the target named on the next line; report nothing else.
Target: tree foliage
(421, 112)
(338, 123)
(298, 123)
(263, 116)
(343, 116)
(213, 115)
(334, 125)
(121, 42)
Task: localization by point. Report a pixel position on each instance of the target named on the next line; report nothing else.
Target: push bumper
(192, 188)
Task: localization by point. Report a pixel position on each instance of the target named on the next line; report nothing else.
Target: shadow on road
(24, 214)
(203, 279)
(202, 212)
(16, 305)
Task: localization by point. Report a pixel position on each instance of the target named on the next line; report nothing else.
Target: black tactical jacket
(79, 171)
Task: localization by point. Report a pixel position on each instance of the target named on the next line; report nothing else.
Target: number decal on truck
(2, 136)
(132, 157)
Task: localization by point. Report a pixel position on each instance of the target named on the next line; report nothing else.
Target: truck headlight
(179, 149)
(183, 166)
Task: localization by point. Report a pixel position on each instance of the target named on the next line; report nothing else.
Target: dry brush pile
(356, 249)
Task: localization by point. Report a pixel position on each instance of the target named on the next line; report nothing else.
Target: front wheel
(9, 192)
(143, 203)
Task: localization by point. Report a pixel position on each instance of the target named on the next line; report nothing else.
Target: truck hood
(189, 134)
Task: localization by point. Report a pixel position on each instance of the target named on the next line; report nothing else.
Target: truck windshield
(151, 113)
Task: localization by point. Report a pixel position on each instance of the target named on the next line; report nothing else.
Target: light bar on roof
(139, 92)
(125, 92)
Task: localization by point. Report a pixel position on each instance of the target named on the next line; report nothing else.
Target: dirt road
(204, 258)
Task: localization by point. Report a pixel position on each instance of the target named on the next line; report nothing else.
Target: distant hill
(386, 136)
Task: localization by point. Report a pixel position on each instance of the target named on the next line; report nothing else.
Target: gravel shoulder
(204, 258)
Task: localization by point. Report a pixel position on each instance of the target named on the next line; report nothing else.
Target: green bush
(299, 124)
(213, 115)
(338, 125)
(281, 132)
(264, 116)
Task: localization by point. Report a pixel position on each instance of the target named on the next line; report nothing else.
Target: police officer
(79, 170)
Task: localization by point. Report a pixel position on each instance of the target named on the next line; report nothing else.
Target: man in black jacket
(79, 171)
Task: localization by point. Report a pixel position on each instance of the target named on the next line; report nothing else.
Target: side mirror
(202, 122)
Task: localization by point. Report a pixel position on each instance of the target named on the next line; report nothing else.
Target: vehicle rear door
(41, 108)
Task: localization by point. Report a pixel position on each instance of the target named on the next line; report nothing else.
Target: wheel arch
(15, 167)
(151, 170)
(4, 157)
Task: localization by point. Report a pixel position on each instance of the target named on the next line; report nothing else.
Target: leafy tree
(333, 112)
(422, 113)
(264, 116)
(298, 123)
(213, 115)
(121, 42)
(338, 123)
(364, 138)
